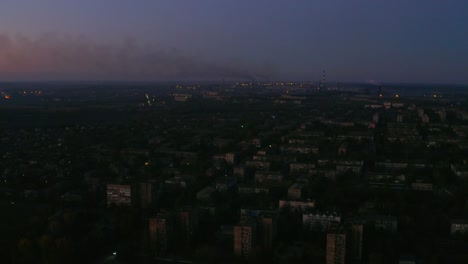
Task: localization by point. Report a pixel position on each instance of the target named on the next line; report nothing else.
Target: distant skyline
(371, 41)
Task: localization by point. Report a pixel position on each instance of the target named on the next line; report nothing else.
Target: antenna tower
(323, 84)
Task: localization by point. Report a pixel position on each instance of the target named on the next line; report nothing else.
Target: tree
(46, 246)
(27, 252)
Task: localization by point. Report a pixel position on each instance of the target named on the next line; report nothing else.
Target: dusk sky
(353, 40)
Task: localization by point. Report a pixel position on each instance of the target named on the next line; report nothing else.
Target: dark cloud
(58, 56)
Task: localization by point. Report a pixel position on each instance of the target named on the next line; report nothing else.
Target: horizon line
(54, 81)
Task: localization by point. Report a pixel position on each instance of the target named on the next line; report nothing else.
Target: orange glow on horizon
(7, 97)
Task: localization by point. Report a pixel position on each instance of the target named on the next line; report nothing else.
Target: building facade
(336, 246)
(160, 233)
(318, 220)
(459, 227)
(119, 195)
(295, 191)
(244, 239)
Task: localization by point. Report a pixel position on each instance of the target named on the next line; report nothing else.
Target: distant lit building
(230, 158)
(375, 118)
(257, 230)
(244, 238)
(356, 241)
(297, 205)
(425, 118)
(381, 223)
(296, 190)
(349, 165)
(160, 233)
(269, 227)
(177, 182)
(205, 194)
(319, 220)
(258, 164)
(461, 169)
(186, 222)
(343, 148)
(119, 195)
(182, 97)
(257, 142)
(301, 167)
(442, 115)
(268, 176)
(336, 246)
(420, 112)
(459, 227)
(239, 171)
(219, 159)
(399, 118)
(365, 135)
(422, 186)
(226, 183)
(252, 189)
(146, 194)
(300, 149)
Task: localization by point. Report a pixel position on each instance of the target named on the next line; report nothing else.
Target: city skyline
(365, 41)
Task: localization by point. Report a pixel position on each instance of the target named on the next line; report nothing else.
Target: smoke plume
(58, 56)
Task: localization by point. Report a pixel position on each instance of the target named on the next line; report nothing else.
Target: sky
(376, 41)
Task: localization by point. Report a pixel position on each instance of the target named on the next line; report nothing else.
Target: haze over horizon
(357, 41)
